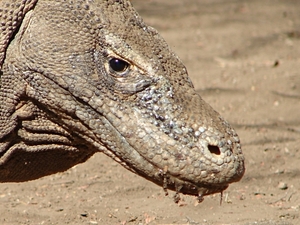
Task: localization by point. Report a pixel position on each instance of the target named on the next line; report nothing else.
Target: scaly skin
(92, 77)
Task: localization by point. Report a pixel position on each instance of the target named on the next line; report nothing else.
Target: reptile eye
(118, 65)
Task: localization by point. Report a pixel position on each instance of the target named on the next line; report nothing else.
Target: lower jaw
(169, 182)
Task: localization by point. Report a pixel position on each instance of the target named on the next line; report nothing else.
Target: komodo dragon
(86, 76)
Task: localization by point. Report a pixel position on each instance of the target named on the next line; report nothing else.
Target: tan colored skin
(61, 100)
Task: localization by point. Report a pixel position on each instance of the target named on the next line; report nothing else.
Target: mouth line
(168, 181)
(189, 187)
(165, 178)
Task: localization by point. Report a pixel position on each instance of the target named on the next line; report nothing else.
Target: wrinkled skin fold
(90, 77)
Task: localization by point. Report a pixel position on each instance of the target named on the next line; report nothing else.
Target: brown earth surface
(244, 58)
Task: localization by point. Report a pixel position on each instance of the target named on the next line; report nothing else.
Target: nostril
(214, 149)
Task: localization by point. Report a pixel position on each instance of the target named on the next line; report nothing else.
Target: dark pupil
(118, 65)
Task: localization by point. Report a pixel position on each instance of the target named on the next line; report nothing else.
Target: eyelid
(132, 66)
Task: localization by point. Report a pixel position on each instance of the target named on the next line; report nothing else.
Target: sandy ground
(244, 59)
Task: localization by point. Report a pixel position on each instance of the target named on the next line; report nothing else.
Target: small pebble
(282, 186)
(279, 171)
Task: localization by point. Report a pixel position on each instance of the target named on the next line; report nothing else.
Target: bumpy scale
(80, 77)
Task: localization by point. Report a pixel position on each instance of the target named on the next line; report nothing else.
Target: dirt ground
(244, 58)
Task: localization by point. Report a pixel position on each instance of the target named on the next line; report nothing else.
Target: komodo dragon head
(80, 77)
